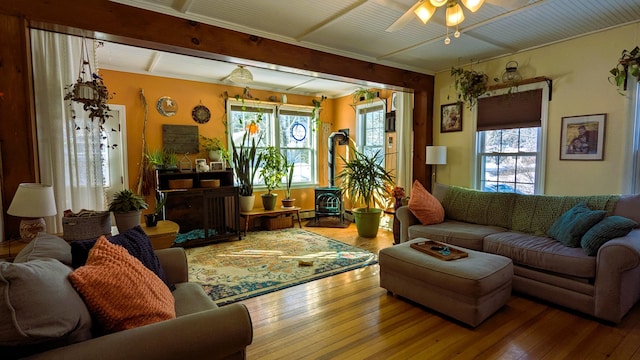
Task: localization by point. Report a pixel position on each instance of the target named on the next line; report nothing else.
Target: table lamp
(32, 202)
(436, 155)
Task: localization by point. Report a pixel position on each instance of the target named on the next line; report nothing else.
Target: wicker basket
(86, 227)
(276, 223)
(213, 183)
(180, 184)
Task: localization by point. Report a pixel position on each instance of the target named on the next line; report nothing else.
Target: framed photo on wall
(582, 137)
(451, 117)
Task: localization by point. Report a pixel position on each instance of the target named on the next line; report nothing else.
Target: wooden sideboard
(216, 211)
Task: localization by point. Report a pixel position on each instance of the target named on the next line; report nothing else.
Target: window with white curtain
(634, 166)
(289, 128)
(370, 123)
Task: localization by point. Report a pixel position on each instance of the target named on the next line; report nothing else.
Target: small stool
(469, 289)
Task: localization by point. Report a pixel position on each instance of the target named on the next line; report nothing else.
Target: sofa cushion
(39, 307)
(425, 206)
(627, 206)
(137, 244)
(607, 229)
(121, 292)
(454, 232)
(541, 253)
(534, 214)
(478, 207)
(569, 228)
(45, 246)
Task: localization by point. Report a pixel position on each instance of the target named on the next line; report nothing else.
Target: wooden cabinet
(214, 211)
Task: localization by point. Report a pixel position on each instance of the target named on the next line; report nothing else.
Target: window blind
(509, 111)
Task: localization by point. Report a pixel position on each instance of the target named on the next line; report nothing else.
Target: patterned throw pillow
(608, 228)
(120, 292)
(135, 241)
(569, 228)
(425, 206)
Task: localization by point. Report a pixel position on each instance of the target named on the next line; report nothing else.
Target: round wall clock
(166, 106)
(200, 114)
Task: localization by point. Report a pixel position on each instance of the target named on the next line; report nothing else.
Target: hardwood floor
(348, 316)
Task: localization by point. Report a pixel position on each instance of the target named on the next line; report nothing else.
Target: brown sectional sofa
(605, 286)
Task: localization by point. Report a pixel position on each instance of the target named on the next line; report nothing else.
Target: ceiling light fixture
(241, 75)
(454, 15)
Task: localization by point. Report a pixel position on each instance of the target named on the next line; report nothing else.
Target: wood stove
(328, 202)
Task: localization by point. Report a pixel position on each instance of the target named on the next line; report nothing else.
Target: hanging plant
(315, 113)
(90, 91)
(628, 64)
(469, 85)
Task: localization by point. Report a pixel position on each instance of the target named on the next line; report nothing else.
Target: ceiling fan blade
(508, 4)
(404, 19)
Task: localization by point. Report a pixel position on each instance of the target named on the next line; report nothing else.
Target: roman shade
(509, 111)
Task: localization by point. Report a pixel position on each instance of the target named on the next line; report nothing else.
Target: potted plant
(246, 161)
(288, 170)
(127, 208)
(365, 181)
(272, 172)
(212, 147)
(628, 64)
(151, 220)
(362, 94)
(469, 85)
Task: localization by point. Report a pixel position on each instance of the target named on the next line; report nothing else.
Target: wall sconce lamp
(436, 155)
(32, 202)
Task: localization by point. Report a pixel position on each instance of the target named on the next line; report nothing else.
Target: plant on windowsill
(127, 208)
(469, 85)
(365, 181)
(628, 64)
(362, 94)
(272, 172)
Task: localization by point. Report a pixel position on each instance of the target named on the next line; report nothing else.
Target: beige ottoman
(469, 289)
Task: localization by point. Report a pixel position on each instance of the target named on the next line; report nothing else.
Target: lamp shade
(33, 201)
(473, 5)
(241, 75)
(436, 155)
(425, 11)
(454, 15)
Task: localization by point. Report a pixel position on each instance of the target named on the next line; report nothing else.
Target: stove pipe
(342, 136)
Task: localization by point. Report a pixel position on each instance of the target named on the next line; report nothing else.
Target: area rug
(266, 261)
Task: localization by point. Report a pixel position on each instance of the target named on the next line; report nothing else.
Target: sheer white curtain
(404, 139)
(68, 141)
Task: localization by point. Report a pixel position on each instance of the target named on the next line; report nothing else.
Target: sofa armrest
(219, 333)
(174, 264)
(406, 219)
(617, 283)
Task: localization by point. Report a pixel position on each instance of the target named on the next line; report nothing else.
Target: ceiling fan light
(472, 5)
(425, 11)
(438, 3)
(454, 15)
(241, 75)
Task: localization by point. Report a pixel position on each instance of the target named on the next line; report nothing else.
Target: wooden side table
(10, 248)
(163, 235)
(256, 213)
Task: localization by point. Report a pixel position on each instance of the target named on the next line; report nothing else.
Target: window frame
(542, 137)
(361, 128)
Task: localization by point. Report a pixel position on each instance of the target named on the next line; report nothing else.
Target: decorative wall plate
(200, 114)
(166, 106)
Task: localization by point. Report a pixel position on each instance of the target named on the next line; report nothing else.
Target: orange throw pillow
(120, 292)
(425, 206)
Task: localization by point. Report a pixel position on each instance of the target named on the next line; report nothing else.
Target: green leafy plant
(273, 169)
(155, 158)
(159, 204)
(365, 180)
(469, 85)
(628, 64)
(361, 94)
(315, 113)
(211, 144)
(126, 200)
(246, 161)
(288, 169)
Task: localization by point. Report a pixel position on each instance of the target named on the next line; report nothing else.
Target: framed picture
(582, 137)
(451, 117)
(216, 166)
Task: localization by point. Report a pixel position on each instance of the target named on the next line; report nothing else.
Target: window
(287, 127)
(510, 142)
(370, 128)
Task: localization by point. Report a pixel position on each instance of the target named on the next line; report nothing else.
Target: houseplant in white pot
(365, 182)
(127, 209)
(272, 172)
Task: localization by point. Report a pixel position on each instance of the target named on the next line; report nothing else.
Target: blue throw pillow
(569, 228)
(607, 229)
(137, 244)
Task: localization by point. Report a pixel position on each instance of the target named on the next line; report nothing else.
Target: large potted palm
(272, 172)
(127, 209)
(246, 161)
(366, 182)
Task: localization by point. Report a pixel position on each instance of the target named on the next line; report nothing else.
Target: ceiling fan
(424, 10)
